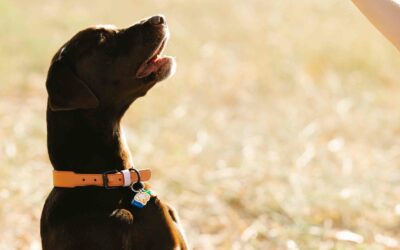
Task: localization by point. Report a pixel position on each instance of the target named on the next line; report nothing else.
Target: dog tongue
(152, 66)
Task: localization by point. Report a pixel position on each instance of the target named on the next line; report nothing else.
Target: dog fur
(91, 83)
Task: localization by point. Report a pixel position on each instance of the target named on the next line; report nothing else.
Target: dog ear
(66, 91)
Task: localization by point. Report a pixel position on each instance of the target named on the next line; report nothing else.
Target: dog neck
(86, 141)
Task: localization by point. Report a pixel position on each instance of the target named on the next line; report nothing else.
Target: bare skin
(384, 15)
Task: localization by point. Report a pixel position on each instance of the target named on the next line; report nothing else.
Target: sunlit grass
(280, 129)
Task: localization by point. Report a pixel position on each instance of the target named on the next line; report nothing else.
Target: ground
(280, 129)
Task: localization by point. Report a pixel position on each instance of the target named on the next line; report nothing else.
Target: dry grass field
(280, 129)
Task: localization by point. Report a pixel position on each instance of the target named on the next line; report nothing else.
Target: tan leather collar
(69, 179)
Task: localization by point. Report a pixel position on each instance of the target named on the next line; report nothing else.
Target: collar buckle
(105, 178)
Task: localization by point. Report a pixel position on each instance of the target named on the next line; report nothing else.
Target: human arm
(384, 15)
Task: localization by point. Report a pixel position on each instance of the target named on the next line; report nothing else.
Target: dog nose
(157, 20)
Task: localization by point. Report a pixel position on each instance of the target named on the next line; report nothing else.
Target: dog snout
(157, 20)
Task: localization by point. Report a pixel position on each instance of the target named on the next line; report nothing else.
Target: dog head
(105, 67)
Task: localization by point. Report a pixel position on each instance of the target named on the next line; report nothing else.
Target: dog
(91, 82)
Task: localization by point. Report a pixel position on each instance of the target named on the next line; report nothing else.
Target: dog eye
(102, 38)
(105, 35)
(107, 43)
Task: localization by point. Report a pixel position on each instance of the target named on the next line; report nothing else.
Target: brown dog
(92, 81)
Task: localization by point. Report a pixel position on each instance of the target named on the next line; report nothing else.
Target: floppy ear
(66, 91)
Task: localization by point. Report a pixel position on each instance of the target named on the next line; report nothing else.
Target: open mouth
(156, 63)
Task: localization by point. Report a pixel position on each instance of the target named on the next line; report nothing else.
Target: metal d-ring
(138, 182)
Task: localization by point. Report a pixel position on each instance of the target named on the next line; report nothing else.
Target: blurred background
(280, 129)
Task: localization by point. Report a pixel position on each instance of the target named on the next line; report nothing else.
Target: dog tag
(141, 198)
